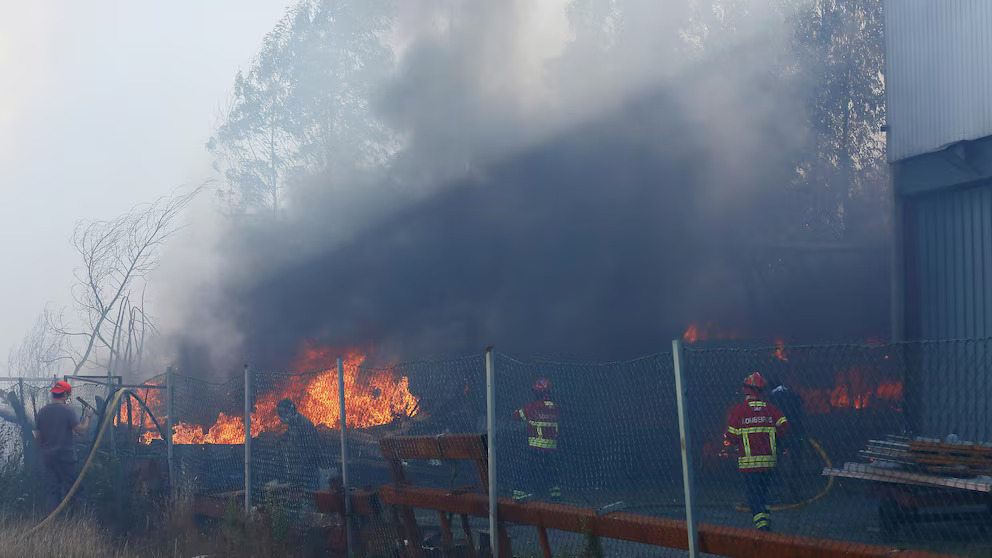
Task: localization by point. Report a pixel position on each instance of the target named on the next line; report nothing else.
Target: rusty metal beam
(445, 446)
(713, 539)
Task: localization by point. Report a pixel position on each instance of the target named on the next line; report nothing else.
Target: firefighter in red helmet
(55, 425)
(754, 428)
(541, 416)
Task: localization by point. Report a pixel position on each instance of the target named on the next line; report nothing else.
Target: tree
(117, 256)
(42, 351)
(304, 106)
(341, 59)
(256, 144)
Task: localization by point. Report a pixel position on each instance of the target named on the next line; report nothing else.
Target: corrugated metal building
(939, 131)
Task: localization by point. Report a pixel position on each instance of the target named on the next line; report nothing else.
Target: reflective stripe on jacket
(754, 427)
(542, 424)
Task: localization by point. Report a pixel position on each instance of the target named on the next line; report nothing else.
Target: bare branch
(115, 253)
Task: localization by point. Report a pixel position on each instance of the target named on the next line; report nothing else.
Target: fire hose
(830, 484)
(114, 402)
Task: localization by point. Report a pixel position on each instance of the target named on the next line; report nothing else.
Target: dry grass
(64, 538)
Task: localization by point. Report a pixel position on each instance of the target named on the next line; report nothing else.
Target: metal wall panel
(938, 74)
(950, 261)
(953, 240)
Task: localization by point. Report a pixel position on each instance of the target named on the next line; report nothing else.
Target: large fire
(372, 397)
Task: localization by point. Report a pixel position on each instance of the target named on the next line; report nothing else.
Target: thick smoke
(551, 199)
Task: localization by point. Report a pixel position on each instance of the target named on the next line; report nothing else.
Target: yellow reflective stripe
(747, 441)
(757, 429)
(541, 426)
(757, 403)
(757, 459)
(549, 403)
(756, 462)
(520, 413)
(781, 421)
(542, 443)
(733, 430)
(771, 440)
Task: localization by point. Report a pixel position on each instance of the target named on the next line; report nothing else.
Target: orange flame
(705, 332)
(780, 351)
(372, 397)
(852, 391)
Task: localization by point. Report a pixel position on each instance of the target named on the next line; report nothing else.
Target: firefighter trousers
(756, 485)
(543, 475)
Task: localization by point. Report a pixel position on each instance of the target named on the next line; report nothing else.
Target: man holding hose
(55, 425)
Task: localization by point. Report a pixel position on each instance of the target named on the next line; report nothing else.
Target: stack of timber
(923, 462)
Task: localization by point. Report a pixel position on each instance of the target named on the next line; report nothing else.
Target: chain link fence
(602, 436)
(886, 444)
(875, 441)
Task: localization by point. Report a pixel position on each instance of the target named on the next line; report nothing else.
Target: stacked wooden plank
(921, 461)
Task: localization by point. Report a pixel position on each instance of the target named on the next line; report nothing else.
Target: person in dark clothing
(302, 447)
(793, 448)
(791, 405)
(55, 425)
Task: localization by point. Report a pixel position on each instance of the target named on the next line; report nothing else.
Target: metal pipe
(169, 421)
(687, 480)
(344, 459)
(248, 401)
(491, 446)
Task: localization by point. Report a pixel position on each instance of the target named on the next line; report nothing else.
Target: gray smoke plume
(587, 204)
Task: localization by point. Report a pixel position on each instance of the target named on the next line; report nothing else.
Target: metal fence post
(687, 481)
(491, 445)
(248, 399)
(170, 386)
(344, 460)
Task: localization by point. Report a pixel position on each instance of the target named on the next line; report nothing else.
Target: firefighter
(55, 425)
(754, 428)
(541, 416)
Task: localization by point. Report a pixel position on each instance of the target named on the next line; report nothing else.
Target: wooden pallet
(867, 472)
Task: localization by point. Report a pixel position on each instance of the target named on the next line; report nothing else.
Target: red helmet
(754, 384)
(542, 385)
(61, 387)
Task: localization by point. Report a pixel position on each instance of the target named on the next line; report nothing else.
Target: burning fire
(780, 351)
(372, 397)
(705, 332)
(851, 391)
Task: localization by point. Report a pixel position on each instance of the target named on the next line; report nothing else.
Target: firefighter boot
(763, 520)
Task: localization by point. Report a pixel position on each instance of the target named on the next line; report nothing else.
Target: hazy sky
(103, 104)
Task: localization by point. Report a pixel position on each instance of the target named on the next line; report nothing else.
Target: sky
(104, 104)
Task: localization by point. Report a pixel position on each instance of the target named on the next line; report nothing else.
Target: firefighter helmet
(542, 385)
(754, 384)
(61, 387)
